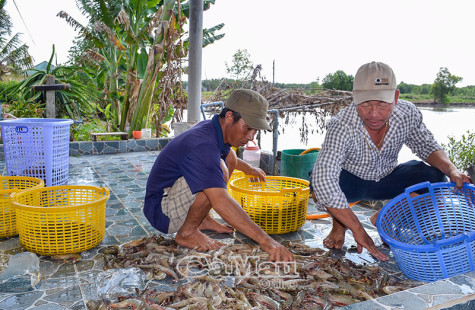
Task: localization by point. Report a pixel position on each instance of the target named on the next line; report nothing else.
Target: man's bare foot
(373, 218)
(210, 223)
(336, 238)
(196, 239)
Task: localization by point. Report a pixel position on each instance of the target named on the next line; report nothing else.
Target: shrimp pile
(239, 276)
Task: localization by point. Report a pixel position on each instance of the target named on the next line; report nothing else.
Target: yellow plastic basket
(9, 185)
(236, 174)
(61, 219)
(278, 205)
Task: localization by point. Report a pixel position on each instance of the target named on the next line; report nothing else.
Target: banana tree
(100, 31)
(136, 19)
(124, 44)
(167, 50)
(155, 62)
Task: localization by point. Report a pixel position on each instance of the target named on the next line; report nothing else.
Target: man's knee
(432, 174)
(435, 175)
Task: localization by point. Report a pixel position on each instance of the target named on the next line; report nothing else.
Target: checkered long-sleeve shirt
(348, 146)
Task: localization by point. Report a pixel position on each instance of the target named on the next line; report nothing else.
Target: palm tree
(14, 56)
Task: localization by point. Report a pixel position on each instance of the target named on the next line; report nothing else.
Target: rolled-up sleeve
(326, 172)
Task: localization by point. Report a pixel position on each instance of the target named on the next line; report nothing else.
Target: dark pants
(403, 176)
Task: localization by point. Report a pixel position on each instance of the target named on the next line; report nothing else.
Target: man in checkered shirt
(358, 159)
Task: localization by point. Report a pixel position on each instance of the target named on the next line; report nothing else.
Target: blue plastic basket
(37, 147)
(431, 235)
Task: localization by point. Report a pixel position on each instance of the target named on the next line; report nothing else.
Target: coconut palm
(14, 56)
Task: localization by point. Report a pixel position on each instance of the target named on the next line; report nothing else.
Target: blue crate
(431, 235)
(37, 147)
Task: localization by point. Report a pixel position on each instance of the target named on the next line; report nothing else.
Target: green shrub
(462, 151)
(81, 132)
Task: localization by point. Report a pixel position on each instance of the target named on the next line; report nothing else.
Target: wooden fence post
(50, 98)
(50, 89)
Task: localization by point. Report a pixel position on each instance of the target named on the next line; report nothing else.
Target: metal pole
(275, 138)
(194, 60)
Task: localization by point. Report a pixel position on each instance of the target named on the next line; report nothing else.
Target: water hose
(309, 150)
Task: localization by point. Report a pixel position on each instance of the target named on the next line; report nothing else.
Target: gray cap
(251, 105)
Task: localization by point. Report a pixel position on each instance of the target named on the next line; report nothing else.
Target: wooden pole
(273, 72)
(50, 98)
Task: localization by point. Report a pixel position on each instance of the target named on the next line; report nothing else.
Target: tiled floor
(70, 286)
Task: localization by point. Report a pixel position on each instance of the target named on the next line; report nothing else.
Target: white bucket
(146, 133)
(252, 155)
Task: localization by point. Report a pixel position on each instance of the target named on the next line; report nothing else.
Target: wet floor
(70, 286)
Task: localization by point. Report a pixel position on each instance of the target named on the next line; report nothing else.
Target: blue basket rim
(37, 122)
(420, 248)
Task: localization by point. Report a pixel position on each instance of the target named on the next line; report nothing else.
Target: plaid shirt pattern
(348, 146)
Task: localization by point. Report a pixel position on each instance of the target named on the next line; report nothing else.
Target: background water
(442, 122)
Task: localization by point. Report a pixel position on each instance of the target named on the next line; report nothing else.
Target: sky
(307, 39)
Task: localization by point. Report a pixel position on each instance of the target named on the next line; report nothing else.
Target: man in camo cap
(190, 174)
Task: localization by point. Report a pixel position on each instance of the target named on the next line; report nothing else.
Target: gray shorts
(176, 203)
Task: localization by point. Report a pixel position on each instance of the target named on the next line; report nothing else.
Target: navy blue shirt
(195, 155)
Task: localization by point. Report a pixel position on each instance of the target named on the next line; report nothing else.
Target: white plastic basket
(37, 147)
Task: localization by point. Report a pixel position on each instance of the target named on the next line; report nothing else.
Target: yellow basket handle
(309, 150)
(288, 190)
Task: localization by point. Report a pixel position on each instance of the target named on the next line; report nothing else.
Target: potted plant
(462, 152)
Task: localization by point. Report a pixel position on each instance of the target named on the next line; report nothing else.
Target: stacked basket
(432, 234)
(51, 220)
(9, 186)
(37, 147)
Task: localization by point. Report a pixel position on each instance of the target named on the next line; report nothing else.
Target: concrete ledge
(81, 148)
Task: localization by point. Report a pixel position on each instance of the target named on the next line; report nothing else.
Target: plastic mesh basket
(236, 174)
(278, 205)
(431, 235)
(61, 219)
(11, 185)
(37, 147)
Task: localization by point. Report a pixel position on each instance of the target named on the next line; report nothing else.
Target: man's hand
(363, 240)
(459, 178)
(348, 219)
(234, 215)
(441, 161)
(250, 170)
(259, 173)
(277, 252)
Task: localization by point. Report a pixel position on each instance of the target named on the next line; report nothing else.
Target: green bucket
(295, 165)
